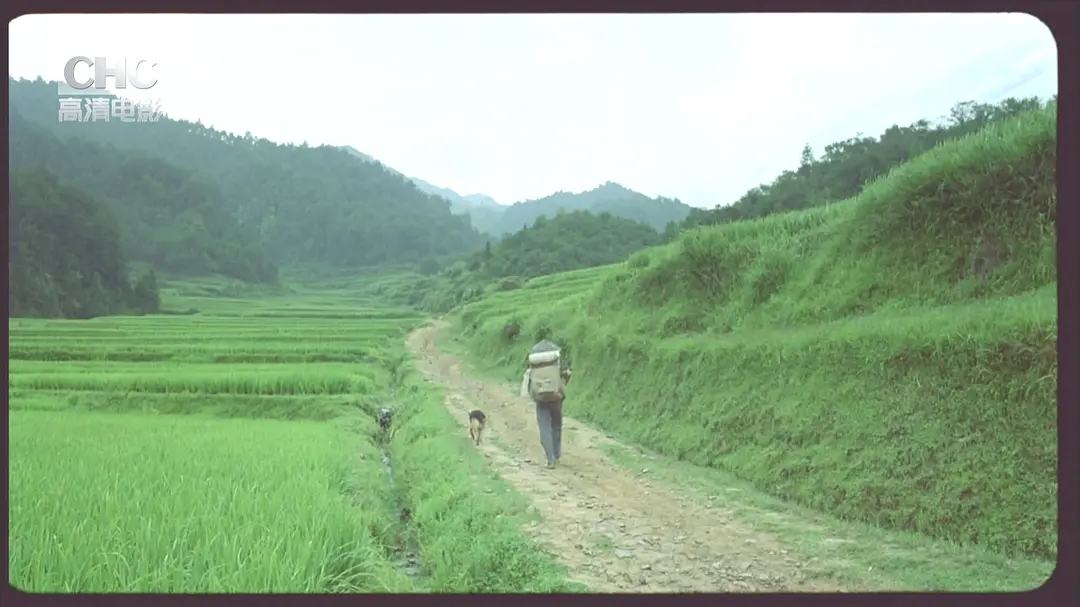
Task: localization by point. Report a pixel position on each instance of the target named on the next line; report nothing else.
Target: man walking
(548, 375)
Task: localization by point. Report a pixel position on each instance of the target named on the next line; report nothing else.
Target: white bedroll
(542, 358)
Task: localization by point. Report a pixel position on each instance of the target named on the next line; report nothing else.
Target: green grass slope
(889, 359)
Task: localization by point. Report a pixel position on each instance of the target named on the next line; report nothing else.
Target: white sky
(698, 107)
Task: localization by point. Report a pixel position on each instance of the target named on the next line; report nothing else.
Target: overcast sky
(698, 107)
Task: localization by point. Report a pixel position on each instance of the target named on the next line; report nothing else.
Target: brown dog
(477, 419)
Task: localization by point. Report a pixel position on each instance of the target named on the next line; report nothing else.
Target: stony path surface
(614, 530)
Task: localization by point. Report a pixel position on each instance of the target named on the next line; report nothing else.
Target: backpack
(545, 377)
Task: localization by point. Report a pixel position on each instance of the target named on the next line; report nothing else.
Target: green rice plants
(135, 503)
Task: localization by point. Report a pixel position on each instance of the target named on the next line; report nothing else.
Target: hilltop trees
(289, 204)
(166, 216)
(568, 241)
(846, 166)
(64, 253)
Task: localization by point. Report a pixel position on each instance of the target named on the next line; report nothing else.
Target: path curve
(615, 531)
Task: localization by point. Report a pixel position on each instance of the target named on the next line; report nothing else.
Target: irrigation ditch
(405, 545)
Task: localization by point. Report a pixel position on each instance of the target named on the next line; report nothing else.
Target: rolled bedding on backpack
(545, 346)
(543, 358)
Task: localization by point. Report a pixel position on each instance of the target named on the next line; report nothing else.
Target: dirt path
(615, 531)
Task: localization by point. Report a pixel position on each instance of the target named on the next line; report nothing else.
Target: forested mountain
(64, 253)
(567, 241)
(458, 203)
(846, 166)
(168, 217)
(608, 198)
(303, 204)
(482, 200)
(362, 156)
(497, 220)
(481, 209)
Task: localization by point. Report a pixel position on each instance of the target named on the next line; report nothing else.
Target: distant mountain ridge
(362, 156)
(456, 200)
(482, 208)
(489, 217)
(482, 200)
(609, 197)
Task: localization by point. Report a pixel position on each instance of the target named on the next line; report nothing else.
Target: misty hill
(481, 209)
(355, 152)
(608, 198)
(568, 241)
(457, 201)
(167, 216)
(302, 204)
(481, 200)
(476, 205)
(64, 253)
(489, 217)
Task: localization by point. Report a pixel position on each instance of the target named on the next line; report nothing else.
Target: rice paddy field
(231, 447)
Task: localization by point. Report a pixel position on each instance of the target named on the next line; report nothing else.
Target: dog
(477, 419)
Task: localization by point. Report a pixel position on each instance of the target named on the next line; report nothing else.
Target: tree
(65, 258)
(146, 298)
(569, 241)
(296, 203)
(806, 159)
(848, 165)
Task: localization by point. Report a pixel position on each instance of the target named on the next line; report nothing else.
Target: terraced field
(233, 448)
(543, 292)
(889, 360)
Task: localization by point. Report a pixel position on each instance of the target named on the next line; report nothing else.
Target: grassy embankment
(236, 450)
(889, 359)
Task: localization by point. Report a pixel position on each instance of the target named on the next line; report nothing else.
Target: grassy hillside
(204, 453)
(890, 358)
(844, 168)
